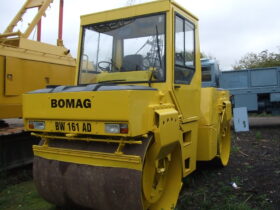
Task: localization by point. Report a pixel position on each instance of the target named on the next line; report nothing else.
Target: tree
(258, 60)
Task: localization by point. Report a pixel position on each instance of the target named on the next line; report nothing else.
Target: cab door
(187, 81)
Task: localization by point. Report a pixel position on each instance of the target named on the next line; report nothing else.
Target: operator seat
(132, 63)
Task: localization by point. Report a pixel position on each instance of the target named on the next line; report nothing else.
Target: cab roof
(152, 7)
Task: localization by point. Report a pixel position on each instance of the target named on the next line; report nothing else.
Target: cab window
(184, 51)
(124, 51)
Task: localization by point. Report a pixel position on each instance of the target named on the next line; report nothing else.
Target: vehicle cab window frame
(142, 54)
(184, 48)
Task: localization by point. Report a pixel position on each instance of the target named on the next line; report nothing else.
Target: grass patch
(258, 135)
(23, 196)
(234, 149)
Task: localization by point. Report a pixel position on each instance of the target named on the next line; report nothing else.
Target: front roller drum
(82, 186)
(73, 185)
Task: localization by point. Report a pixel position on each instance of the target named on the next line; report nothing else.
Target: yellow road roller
(137, 120)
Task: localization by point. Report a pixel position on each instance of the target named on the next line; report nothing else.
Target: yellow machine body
(124, 138)
(27, 65)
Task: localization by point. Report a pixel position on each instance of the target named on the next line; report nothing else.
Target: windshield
(129, 50)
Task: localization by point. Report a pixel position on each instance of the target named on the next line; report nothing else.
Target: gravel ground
(254, 167)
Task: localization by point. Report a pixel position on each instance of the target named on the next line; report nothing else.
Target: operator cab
(126, 50)
(158, 49)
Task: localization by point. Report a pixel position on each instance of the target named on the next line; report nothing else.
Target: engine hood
(97, 103)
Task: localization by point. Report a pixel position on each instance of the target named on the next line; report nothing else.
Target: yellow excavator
(27, 65)
(136, 122)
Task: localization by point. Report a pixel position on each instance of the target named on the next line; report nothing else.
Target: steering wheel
(107, 68)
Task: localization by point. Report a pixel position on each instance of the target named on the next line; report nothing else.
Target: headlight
(116, 128)
(39, 125)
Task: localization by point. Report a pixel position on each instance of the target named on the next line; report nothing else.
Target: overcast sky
(228, 28)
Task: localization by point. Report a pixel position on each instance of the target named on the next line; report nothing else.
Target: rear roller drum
(224, 141)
